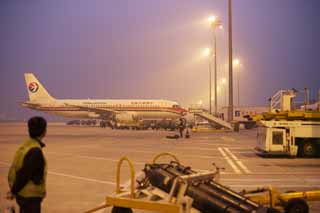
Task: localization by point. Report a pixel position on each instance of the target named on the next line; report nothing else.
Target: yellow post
(132, 172)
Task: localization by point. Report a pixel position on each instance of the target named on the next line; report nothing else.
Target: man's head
(37, 127)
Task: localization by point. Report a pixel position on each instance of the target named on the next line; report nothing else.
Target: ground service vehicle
(175, 188)
(293, 138)
(288, 131)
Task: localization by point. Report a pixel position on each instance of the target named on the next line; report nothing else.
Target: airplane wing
(103, 113)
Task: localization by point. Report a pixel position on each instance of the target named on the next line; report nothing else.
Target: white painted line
(74, 177)
(242, 186)
(89, 157)
(248, 148)
(229, 139)
(234, 167)
(244, 152)
(197, 148)
(246, 170)
(288, 173)
(107, 159)
(286, 179)
(82, 178)
(116, 160)
(213, 143)
(4, 163)
(203, 156)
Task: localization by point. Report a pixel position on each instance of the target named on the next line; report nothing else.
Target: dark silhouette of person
(27, 174)
(182, 126)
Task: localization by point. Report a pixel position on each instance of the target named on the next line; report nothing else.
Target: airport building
(242, 113)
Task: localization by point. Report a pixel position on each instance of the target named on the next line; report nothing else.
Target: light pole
(237, 65)
(215, 23)
(219, 91)
(208, 53)
(223, 82)
(230, 108)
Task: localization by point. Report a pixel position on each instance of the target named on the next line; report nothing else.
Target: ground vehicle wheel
(308, 149)
(117, 209)
(297, 205)
(272, 210)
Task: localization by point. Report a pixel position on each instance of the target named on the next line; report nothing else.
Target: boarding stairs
(213, 119)
(282, 100)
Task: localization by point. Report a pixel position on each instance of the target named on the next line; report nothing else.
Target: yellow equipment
(179, 189)
(289, 201)
(141, 199)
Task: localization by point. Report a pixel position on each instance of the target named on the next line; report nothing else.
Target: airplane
(109, 110)
(311, 107)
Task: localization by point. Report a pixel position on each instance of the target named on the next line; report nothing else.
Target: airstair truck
(294, 138)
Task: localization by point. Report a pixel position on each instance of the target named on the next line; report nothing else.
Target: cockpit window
(175, 106)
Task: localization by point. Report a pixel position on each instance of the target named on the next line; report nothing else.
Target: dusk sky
(152, 49)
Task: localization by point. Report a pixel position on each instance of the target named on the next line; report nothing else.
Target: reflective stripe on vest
(30, 189)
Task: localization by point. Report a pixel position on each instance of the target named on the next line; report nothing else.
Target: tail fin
(35, 89)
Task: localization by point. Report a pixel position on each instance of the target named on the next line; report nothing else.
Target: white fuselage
(106, 109)
(124, 109)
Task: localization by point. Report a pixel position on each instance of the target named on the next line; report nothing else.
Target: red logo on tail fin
(33, 87)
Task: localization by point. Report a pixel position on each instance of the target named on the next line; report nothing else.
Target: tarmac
(82, 162)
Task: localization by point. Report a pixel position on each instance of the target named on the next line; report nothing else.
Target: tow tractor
(175, 188)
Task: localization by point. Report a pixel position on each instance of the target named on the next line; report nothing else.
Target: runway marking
(82, 178)
(218, 143)
(241, 148)
(114, 160)
(240, 164)
(242, 186)
(197, 148)
(234, 167)
(244, 152)
(90, 157)
(288, 173)
(203, 156)
(228, 139)
(74, 177)
(310, 182)
(4, 163)
(286, 179)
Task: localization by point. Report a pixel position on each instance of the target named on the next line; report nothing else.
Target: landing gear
(103, 124)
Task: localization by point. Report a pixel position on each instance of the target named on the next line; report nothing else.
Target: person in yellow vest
(27, 174)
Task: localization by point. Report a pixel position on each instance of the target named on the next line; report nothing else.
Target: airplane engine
(126, 117)
(93, 115)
